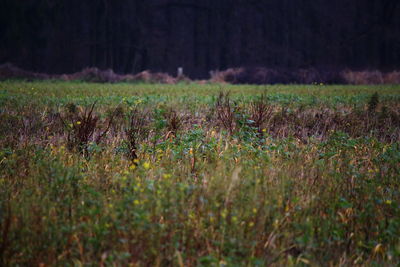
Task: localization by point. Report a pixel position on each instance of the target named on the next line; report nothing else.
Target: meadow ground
(199, 175)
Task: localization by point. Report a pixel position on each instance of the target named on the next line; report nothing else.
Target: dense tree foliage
(58, 36)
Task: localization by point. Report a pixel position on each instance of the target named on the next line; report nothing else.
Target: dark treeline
(128, 36)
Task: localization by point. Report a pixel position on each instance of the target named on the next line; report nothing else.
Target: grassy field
(199, 175)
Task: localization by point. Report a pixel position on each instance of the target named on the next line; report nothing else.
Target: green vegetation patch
(199, 175)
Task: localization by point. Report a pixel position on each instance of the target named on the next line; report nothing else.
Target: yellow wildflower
(224, 213)
(146, 165)
(192, 215)
(132, 167)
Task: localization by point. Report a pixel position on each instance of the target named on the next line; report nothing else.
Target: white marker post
(180, 72)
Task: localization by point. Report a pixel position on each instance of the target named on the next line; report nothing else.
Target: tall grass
(170, 185)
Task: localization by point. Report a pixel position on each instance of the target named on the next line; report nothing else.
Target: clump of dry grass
(174, 122)
(83, 126)
(149, 77)
(392, 77)
(363, 77)
(136, 131)
(225, 112)
(260, 113)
